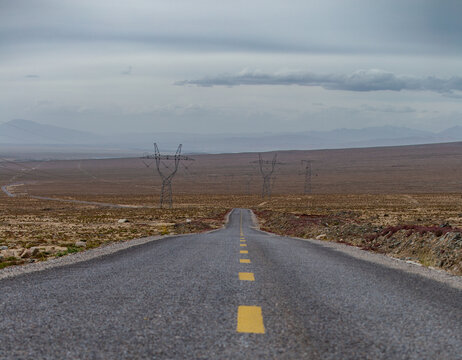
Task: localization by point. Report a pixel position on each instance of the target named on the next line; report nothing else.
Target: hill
(38, 139)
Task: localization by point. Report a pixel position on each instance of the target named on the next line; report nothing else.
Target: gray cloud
(32, 76)
(362, 80)
(453, 96)
(382, 26)
(82, 51)
(127, 71)
(388, 109)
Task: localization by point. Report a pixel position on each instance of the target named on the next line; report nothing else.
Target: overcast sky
(231, 66)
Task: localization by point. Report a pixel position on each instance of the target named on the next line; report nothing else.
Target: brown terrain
(403, 201)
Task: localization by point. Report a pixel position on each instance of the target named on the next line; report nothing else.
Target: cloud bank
(361, 80)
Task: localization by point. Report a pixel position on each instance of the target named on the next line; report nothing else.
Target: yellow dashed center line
(240, 226)
(250, 320)
(246, 276)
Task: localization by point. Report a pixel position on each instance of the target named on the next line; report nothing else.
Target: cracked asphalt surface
(177, 298)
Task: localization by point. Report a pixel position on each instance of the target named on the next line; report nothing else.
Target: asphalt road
(183, 298)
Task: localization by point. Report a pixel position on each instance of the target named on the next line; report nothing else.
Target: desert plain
(404, 201)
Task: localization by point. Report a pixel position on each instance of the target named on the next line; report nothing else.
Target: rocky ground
(34, 230)
(433, 241)
(424, 228)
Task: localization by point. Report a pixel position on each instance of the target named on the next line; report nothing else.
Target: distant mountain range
(26, 133)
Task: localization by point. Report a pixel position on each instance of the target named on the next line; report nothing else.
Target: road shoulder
(384, 260)
(86, 255)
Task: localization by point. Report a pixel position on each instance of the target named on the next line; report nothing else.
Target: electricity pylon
(166, 176)
(307, 186)
(267, 168)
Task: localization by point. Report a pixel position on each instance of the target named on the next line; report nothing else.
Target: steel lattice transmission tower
(267, 168)
(166, 172)
(307, 173)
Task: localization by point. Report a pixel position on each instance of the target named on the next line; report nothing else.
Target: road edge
(388, 261)
(101, 251)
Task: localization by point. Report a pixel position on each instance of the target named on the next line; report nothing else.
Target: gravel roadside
(75, 258)
(411, 267)
(87, 254)
(454, 281)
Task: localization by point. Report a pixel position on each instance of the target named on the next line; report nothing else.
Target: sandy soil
(377, 198)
